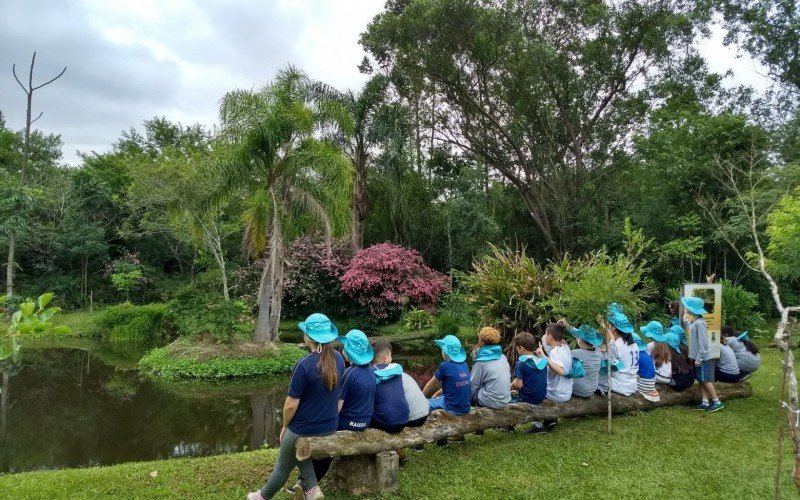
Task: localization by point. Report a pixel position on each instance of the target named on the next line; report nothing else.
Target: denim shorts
(705, 372)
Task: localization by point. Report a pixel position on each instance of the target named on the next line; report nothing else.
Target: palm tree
(290, 181)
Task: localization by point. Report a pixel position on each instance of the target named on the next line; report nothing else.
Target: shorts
(705, 372)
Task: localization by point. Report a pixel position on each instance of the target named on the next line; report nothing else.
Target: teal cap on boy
(587, 334)
(655, 331)
(356, 346)
(319, 328)
(694, 305)
(451, 346)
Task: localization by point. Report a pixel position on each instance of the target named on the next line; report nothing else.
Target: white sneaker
(255, 495)
(314, 494)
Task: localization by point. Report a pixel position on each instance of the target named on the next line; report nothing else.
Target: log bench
(367, 462)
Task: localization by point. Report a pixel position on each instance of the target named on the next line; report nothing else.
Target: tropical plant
(292, 181)
(312, 279)
(387, 278)
(417, 319)
(30, 319)
(740, 307)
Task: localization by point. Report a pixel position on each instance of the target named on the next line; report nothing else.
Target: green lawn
(666, 453)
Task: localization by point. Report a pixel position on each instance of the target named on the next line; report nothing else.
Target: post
(366, 474)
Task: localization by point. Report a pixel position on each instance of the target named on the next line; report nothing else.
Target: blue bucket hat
(489, 353)
(319, 328)
(694, 305)
(639, 342)
(743, 336)
(587, 334)
(673, 341)
(451, 346)
(533, 361)
(357, 347)
(654, 330)
(389, 371)
(678, 332)
(617, 317)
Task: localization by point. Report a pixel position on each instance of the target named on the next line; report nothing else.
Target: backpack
(577, 370)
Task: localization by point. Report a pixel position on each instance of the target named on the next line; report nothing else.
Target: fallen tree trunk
(441, 425)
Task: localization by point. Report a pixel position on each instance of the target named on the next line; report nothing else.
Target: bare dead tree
(743, 183)
(29, 89)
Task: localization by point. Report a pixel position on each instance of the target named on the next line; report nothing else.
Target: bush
(135, 323)
(738, 307)
(387, 278)
(194, 313)
(446, 324)
(457, 305)
(417, 319)
(186, 359)
(312, 280)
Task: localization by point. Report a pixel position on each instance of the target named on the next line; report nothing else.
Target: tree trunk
(359, 198)
(12, 245)
(442, 425)
(539, 215)
(271, 291)
(3, 407)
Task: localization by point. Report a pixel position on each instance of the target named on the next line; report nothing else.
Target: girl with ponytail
(311, 407)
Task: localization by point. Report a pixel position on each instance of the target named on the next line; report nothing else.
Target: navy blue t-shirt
(318, 411)
(534, 383)
(391, 406)
(456, 387)
(358, 394)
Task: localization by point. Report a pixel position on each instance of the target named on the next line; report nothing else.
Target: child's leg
(287, 460)
(711, 391)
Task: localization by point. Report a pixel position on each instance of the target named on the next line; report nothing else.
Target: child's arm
(430, 386)
(517, 384)
(477, 375)
(289, 409)
(341, 403)
(555, 366)
(437, 393)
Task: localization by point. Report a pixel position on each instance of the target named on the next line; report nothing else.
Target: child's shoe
(701, 406)
(255, 495)
(536, 428)
(314, 494)
(715, 406)
(295, 488)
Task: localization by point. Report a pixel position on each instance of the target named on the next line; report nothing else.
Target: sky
(130, 60)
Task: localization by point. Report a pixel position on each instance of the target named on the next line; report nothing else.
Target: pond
(69, 407)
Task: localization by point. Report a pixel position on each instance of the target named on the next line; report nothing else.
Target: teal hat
(587, 334)
(451, 346)
(615, 366)
(533, 361)
(678, 331)
(489, 353)
(673, 341)
(357, 347)
(621, 322)
(694, 305)
(319, 328)
(387, 372)
(654, 330)
(639, 342)
(744, 336)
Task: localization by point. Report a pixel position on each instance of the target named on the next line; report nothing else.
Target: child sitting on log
(418, 409)
(390, 412)
(491, 373)
(559, 364)
(530, 372)
(453, 375)
(746, 352)
(622, 353)
(700, 354)
(727, 368)
(682, 371)
(659, 351)
(646, 381)
(588, 351)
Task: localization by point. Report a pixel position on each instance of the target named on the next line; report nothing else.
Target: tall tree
(545, 92)
(291, 181)
(29, 89)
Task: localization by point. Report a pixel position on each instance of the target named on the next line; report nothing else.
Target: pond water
(70, 408)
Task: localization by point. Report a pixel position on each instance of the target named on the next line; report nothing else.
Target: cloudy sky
(130, 60)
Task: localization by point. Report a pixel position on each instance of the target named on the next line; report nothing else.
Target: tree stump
(363, 475)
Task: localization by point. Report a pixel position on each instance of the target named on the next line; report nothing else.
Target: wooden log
(441, 425)
(366, 474)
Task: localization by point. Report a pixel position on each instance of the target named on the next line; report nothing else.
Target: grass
(669, 452)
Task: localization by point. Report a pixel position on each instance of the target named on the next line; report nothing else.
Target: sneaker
(441, 442)
(419, 447)
(293, 489)
(701, 406)
(715, 407)
(255, 495)
(549, 425)
(314, 494)
(745, 377)
(653, 397)
(537, 428)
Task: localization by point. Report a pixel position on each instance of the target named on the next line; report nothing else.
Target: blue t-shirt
(456, 386)
(391, 406)
(318, 411)
(358, 394)
(647, 368)
(534, 383)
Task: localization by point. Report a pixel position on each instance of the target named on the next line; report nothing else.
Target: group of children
(375, 392)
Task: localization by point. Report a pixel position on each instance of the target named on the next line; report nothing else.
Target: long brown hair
(327, 366)
(680, 362)
(662, 353)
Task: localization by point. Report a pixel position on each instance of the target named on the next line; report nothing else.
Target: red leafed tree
(386, 278)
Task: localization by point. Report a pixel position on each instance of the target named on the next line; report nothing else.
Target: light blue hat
(389, 371)
(451, 346)
(673, 341)
(615, 366)
(489, 353)
(744, 336)
(678, 332)
(639, 342)
(654, 330)
(533, 361)
(587, 334)
(617, 317)
(356, 346)
(319, 328)
(694, 305)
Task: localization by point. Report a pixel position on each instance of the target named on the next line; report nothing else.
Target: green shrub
(417, 319)
(456, 304)
(194, 313)
(188, 363)
(445, 324)
(135, 323)
(739, 307)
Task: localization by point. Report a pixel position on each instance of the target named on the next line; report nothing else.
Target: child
(699, 353)
(453, 374)
(417, 402)
(491, 373)
(659, 351)
(646, 381)
(622, 351)
(530, 375)
(682, 372)
(390, 412)
(559, 363)
(727, 369)
(746, 352)
(589, 341)
(357, 396)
